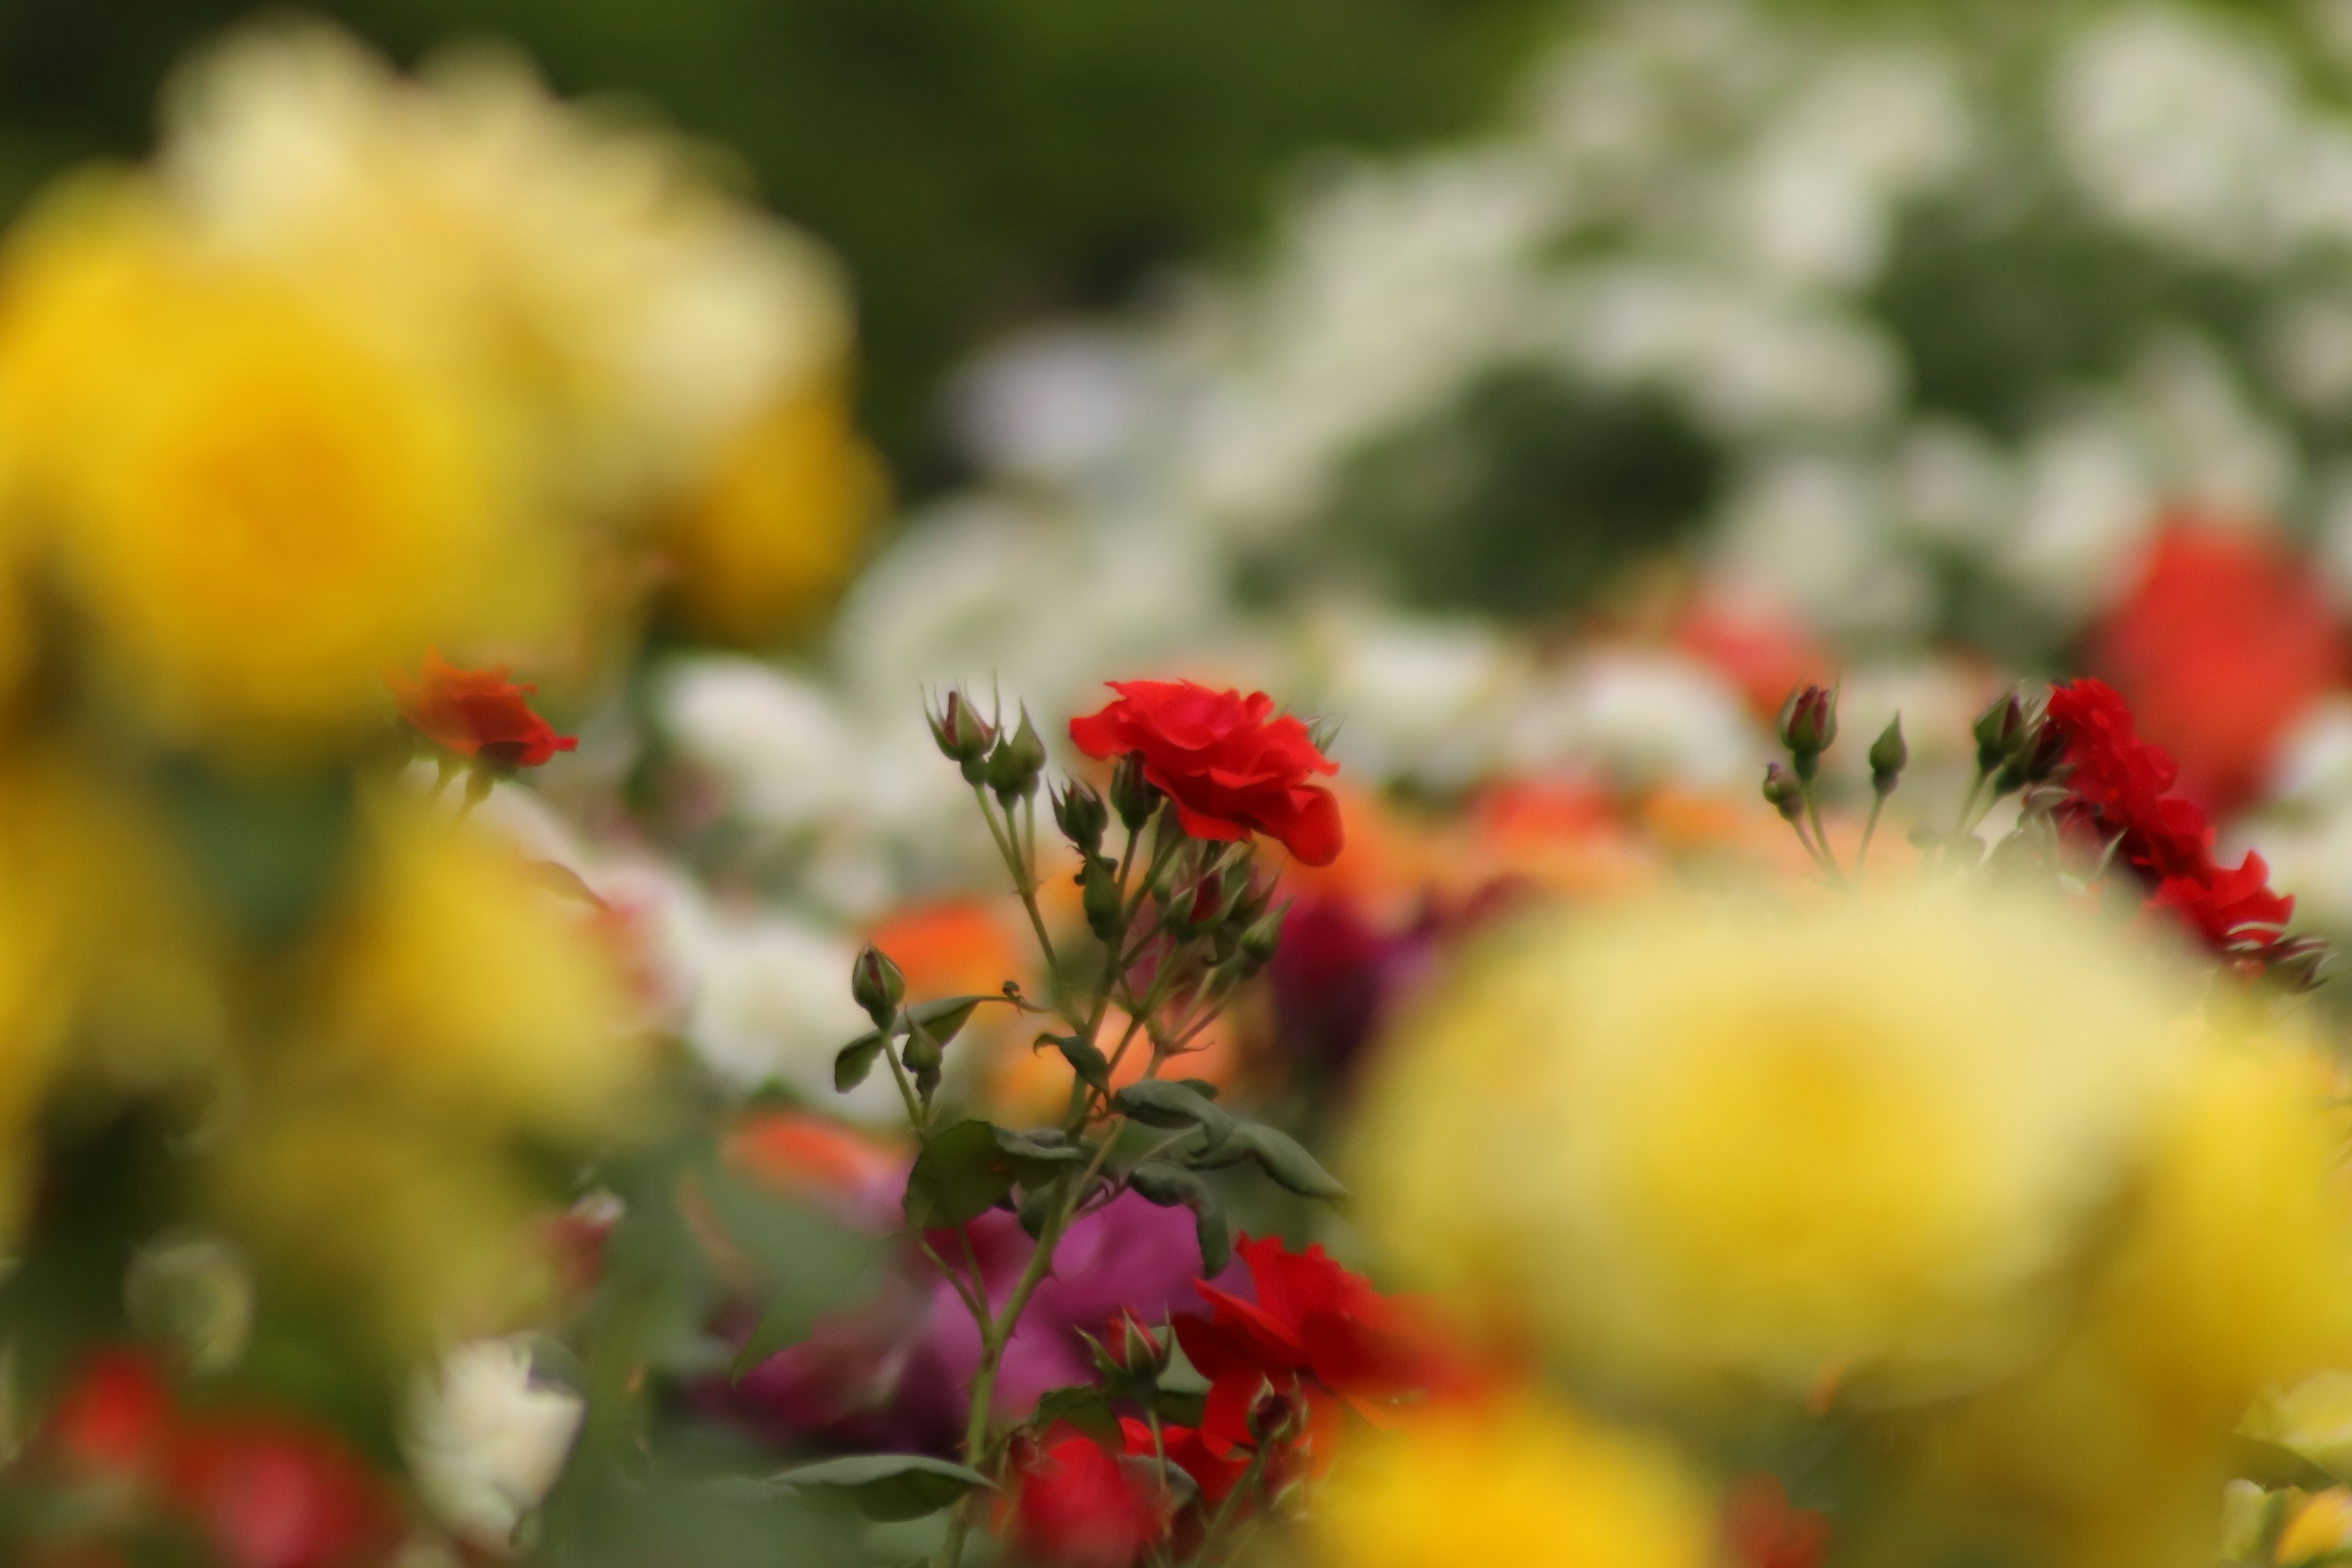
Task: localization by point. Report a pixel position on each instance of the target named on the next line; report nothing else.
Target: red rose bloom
(1316, 1334)
(477, 713)
(2118, 786)
(113, 1416)
(1076, 1506)
(275, 1494)
(1215, 1474)
(1228, 763)
(2225, 639)
(2225, 905)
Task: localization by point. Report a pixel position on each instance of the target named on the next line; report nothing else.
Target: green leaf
(1085, 1058)
(968, 1169)
(945, 1017)
(855, 1059)
(1167, 1185)
(888, 1486)
(1282, 1157)
(1155, 1103)
(1178, 1408)
(1200, 1087)
(1088, 1408)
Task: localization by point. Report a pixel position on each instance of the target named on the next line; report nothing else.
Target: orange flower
(477, 713)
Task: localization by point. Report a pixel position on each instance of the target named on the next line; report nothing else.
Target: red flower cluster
(1230, 765)
(264, 1491)
(477, 713)
(2223, 641)
(2120, 786)
(1076, 1505)
(1317, 1337)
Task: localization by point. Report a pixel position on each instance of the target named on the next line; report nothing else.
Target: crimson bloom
(1315, 1334)
(1215, 1474)
(1074, 1505)
(477, 713)
(2223, 641)
(1764, 1530)
(1228, 764)
(2119, 786)
(265, 1490)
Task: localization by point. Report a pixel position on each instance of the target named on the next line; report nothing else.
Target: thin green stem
(1813, 815)
(1869, 828)
(1246, 1487)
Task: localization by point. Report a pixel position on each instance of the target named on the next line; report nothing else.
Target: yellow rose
(460, 983)
(417, 1236)
(775, 526)
(1726, 1139)
(259, 507)
(1520, 1483)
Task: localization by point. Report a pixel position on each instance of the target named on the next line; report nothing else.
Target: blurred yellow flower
(1518, 1483)
(2312, 1419)
(774, 529)
(2228, 1269)
(1711, 1137)
(592, 266)
(463, 985)
(258, 509)
(418, 1237)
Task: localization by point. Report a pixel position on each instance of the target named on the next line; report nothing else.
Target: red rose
(477, 713)
(2223, 904)
(1228, 763)
(1316, 1334)
(2225, 639)
(2118, 787)
(113, 1416)
(1215, 1474)
(1076, 1506)
(268, 1494)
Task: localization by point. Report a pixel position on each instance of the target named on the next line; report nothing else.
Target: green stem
(1813, 815)
(1869, 828)
(1246, 1487)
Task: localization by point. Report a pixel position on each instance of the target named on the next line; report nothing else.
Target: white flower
(778, 740)
(1055, 403)
(485, 1442)
(1640, 719)
(1810, 530)
(1417, 699)
(772, 1002)
(2088, 502)
(2178, 124)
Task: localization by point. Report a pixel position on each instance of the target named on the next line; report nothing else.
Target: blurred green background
(978, 162)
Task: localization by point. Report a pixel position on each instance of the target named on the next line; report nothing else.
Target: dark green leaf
(1200, 1087)
(972, 1166)
(1155, 1103)
(855, 1059)
(1085, 1058)
(1282, 1157)
(1167, 1185)
(888, 1485)
(1032, 1149)
(1178, 1409)
(945, 1017)
(1086, 1408)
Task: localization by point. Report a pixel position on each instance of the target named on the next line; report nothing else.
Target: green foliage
(888, 1485)
(972, 1166)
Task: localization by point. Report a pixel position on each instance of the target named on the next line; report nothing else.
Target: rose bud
(1781, 789)
(1128, 1351)
(877, 985)
(962, 735)
(2000, 730)
(1132, 795)
(2035, 760)
(1809, 727)
(1098, 896)
(1888, 757)
(1261, 937)
(1080, 814)
(1014, 766)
